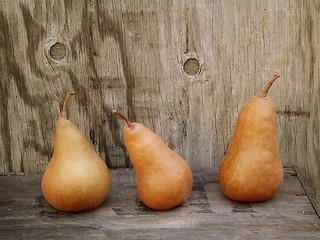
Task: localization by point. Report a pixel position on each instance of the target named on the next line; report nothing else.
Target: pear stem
(265, 91)
(64, 108)
(119, 114)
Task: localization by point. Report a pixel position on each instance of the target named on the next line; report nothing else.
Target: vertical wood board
(133, 56)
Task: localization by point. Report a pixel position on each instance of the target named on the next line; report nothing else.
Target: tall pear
(164, 179)
(76, 178)
(251, 171)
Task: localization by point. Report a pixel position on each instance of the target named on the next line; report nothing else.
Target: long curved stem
(64, 108)
(119, 114)
(265, 91)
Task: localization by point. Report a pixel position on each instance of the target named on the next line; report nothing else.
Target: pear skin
(76, 178)
(251, 170)
(164, 179)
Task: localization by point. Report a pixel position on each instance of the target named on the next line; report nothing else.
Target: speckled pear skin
(76, 179)
(251, 170)
(164, 179)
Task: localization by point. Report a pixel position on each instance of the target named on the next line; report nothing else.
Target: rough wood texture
(133, 56)
(207, 214)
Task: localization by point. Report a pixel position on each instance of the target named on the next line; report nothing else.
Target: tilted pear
(251, 171)
(76, 178)
(164, 179)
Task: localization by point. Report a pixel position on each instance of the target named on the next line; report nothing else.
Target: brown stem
(119, 114)
(265, 91)
(64, 108)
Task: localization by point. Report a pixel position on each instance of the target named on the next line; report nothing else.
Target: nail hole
(191, 66)
(58, 51)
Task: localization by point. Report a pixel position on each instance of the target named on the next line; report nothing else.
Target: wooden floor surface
(207, 214)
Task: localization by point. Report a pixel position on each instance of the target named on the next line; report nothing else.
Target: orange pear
(251, 171)
(164, 179)
(76, 178)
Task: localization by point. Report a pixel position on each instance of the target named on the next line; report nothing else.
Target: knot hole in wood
(192, 67)
(58, 51)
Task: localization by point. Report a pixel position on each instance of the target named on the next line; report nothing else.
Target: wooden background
(182, 68)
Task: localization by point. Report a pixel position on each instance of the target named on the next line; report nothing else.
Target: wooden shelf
(24, 213)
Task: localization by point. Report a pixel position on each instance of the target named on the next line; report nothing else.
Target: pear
(164, 179)
(251, 170)
(76, 178)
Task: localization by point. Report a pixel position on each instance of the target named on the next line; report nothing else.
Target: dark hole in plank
(191, 67)
(58, 51)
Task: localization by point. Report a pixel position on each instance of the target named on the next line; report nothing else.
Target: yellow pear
(251, 171)
(76, 178)
(164, 179)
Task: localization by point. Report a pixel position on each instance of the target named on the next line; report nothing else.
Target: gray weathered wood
(133, 56)
(24, 213)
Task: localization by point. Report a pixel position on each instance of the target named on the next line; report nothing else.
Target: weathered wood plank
(219, 232)
(133, 56)
(207, 213)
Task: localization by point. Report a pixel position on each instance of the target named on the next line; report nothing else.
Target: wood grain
(207, 213)
(133, 56)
